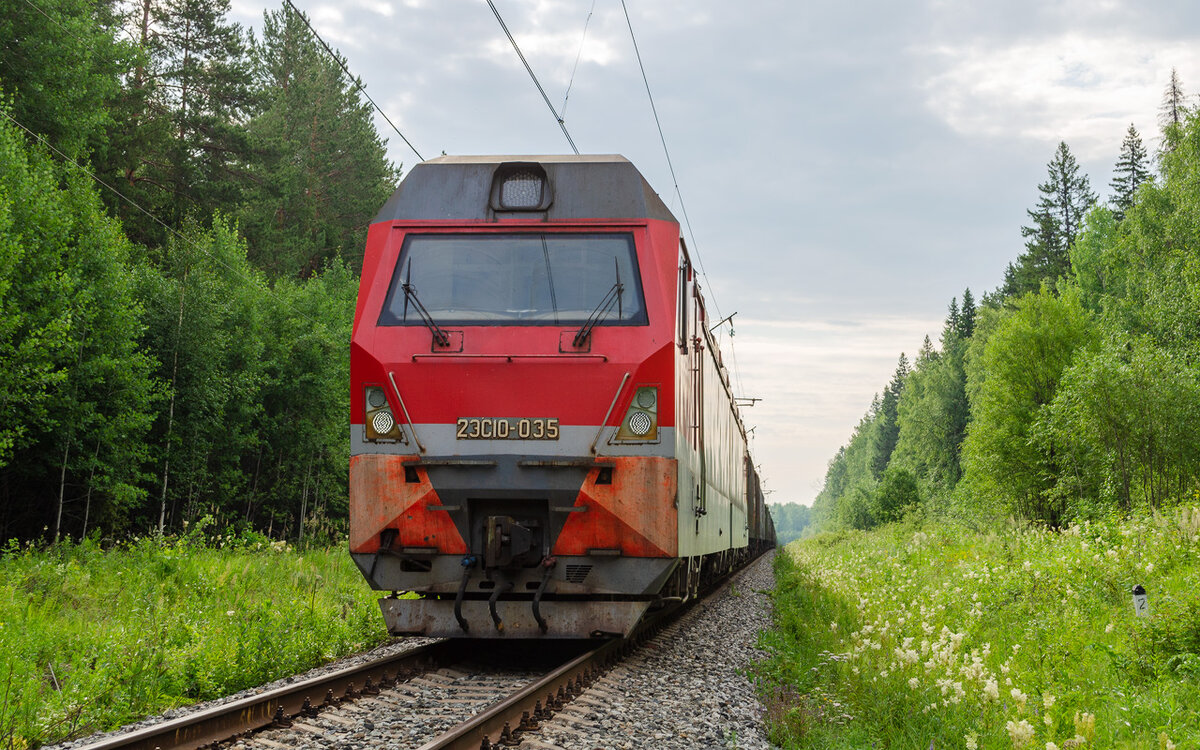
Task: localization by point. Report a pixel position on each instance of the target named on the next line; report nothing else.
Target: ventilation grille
(576, 573)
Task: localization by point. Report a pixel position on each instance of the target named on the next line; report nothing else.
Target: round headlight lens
(383, 422)
(376, 398)
(640, 424)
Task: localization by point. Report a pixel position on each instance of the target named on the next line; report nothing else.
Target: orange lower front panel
(635, 514)
(624, 506)
(383, 496)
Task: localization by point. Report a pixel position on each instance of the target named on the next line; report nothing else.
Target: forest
(1071, 392)
(182, 210)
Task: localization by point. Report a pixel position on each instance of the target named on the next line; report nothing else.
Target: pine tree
(181, 142)
(1066, 197)
(320, 170)
(1129, 172)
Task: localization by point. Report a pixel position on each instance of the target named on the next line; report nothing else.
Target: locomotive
(544, 440)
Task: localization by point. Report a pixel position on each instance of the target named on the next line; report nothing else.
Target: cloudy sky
(847, 167)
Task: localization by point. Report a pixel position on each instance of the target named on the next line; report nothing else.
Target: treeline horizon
(1073, 390)
(183, 207)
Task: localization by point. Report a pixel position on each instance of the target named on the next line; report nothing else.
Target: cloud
(816, 378)
(1082, 89)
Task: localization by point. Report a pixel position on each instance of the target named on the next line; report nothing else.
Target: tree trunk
(62, 489)
(87, 505)
(162, 509)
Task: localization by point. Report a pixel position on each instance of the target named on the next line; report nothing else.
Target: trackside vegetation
(1070, 392)
(93, 638)
(945, 636)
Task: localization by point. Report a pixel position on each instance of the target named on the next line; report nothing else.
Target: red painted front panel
(577, 390)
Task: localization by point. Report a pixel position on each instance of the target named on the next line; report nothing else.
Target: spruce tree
(1174, 104)
(887, 426)
(966, 315)
(1129, 172)
(1066, 197)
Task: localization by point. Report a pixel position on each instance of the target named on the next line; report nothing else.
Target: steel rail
(257, 711)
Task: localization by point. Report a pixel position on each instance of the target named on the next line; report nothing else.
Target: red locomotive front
(513, 375)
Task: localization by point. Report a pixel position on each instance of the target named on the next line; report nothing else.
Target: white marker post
(1141, 603)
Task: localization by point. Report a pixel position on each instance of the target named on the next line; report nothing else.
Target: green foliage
(948, 635)
(61, 62)
(92, 639)
(1131, 170)
(887, 423)
(896, 496)
(1017, 377)
(1123, 422)
(791, 521)
(179, 147)
(78, 394)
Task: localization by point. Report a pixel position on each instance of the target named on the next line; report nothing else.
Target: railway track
(448, 695)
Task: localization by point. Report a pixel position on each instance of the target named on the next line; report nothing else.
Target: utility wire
(667, 152)
(682, 205)
(174, 232)
(357, 83)
(537, 83)
(578, 55)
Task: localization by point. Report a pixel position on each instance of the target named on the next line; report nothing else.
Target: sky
(847, 167)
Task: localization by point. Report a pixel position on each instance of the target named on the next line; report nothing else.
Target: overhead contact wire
(557, 117)
(667, 152)
(357, 83)
(578, 55)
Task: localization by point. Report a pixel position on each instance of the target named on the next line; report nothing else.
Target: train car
(544, 443)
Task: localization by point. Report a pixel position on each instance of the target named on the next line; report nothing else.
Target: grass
(946, 637)
(93, 639)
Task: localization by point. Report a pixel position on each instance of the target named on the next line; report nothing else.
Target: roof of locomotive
(583, 187)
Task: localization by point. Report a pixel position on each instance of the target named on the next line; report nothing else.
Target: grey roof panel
(584, 187)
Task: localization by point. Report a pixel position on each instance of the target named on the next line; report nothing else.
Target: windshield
(515, 279)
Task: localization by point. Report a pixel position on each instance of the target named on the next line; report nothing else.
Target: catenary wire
(682, 205)
(667, 153)
(578, 55)
(357, 83)
(561, 123)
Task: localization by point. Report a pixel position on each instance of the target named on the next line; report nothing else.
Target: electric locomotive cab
(512, 426)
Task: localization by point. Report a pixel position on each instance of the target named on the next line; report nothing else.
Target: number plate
(506, 428)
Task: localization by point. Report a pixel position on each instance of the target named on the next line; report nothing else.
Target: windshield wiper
(440, 337)
(613, 297)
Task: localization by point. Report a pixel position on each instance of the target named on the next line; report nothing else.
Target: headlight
(383, 422)
(640, 423)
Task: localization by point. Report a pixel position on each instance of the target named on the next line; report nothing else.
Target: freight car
(544, 442)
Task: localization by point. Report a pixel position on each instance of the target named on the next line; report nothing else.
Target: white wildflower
(1021, 733)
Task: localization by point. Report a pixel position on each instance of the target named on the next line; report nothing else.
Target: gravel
(685, 689)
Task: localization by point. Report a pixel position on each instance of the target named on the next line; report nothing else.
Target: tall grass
(92, 639)
(944, 637)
